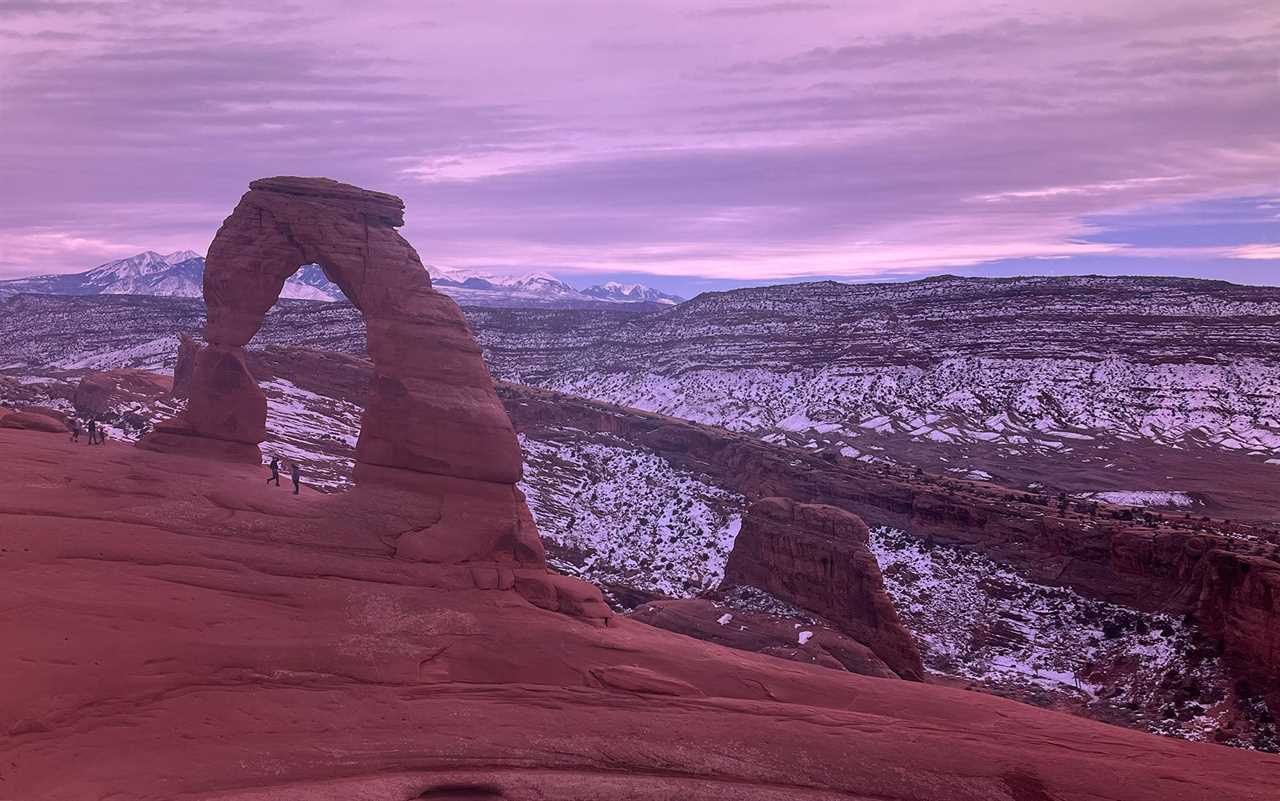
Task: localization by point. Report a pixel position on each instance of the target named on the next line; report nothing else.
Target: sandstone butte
(175, 628)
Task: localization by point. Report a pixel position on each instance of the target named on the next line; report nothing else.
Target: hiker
(102, 435)
(275, 470)
(93, 430)
(75, 429)
(296, 474)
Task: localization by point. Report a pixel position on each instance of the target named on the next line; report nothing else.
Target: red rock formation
(98, 392)
(1239, 601)
(195, 633)
(185, 366)
(225, 402)
(433, 424)
(34, 421)
(178, 436)
(816, 557)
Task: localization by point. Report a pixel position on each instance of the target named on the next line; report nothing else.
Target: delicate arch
(432, 407)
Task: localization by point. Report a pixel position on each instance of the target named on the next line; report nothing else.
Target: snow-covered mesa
(1033, 403)
(1051, 365)
(1141, 498)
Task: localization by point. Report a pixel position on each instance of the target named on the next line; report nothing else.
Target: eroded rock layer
(816, 557)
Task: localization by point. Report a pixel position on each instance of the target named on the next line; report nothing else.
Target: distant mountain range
(181, 274)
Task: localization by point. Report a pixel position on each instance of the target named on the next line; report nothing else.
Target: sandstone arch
(437, 460)
(431, 408)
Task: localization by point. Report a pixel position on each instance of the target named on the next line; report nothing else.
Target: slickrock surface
(175, 628)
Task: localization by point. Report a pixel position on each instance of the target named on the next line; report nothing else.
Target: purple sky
(694, 144)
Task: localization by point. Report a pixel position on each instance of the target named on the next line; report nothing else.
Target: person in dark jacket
(93, 431)
(275, 470)
(296, 474)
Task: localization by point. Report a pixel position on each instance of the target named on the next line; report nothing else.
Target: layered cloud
(736, 140)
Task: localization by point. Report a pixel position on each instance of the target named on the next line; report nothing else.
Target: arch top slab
(381, 205)
(282, 223)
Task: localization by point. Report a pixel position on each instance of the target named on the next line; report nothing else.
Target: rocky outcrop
(816, 557)
(1238, 600)
(432, 425)
(185, 366)
(98, 393)
(225, 402)
(33, 421)
(431, 406)
(745, 630)
(194, 633)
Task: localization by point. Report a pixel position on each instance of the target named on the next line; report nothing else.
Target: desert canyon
(175, 628)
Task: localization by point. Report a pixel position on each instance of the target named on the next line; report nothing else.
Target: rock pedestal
(816, 557)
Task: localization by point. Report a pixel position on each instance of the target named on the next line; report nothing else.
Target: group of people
(97, 433)
(98, 436)
(295, 473)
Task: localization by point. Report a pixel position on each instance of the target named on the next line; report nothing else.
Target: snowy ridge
(181, 274)
(1018, 364)
(632, 517)
(1034, 403)
(1141, 498)
(639, 293)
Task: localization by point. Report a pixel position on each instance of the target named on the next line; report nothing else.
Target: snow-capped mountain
(310, 283)
(470, 285)
(631, 292)
(181, 274)
(147, 273)
(479, 288)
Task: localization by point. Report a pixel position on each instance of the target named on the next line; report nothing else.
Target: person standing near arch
(275, 470)
(295, 473)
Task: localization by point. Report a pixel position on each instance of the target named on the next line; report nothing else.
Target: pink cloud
(752, 139)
